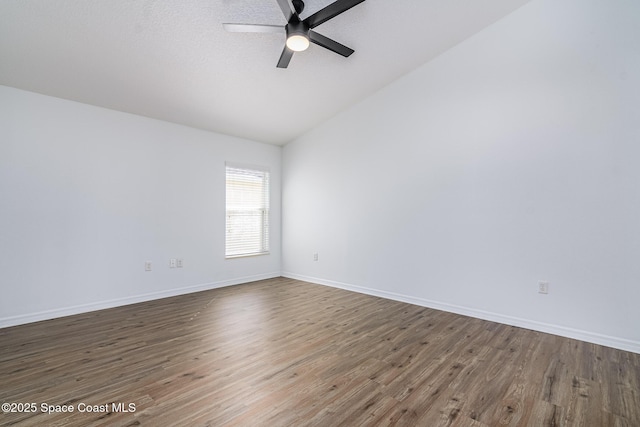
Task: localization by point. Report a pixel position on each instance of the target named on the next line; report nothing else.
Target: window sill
(246, 255)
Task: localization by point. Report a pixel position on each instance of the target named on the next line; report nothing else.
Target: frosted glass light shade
(297, 43)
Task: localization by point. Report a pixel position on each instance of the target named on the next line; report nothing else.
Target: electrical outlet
(543, 287)
(179, 263)
(315, 257)
(147, 266)
(172, 263)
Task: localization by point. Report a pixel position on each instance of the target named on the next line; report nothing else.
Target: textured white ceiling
(172, 60)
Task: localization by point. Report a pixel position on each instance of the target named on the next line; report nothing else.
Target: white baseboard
(117, 302)
(606, 340)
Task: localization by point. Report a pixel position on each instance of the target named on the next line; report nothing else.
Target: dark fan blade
(254, 28)
(286, 9)
(285, 58)
(331, 11)
(332, 45)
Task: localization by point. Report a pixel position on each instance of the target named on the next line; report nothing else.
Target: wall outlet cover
(543, 287)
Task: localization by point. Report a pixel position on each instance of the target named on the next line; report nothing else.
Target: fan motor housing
(298, 5)
(298, 28)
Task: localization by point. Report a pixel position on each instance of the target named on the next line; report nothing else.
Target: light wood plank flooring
(282, 352)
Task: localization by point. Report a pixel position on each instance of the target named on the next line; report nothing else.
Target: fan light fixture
(297, 42)
(300, 32)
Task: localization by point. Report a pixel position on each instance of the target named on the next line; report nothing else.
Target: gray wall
(88, 195)
(510, 159)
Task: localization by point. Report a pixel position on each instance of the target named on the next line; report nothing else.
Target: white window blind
(247, 201)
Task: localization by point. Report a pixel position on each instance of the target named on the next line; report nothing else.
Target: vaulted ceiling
(172, 60)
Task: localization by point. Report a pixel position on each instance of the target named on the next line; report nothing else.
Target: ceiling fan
(300, 32)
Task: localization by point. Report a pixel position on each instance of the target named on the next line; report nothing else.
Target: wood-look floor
(286, 353)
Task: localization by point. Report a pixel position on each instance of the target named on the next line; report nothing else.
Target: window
(247, 225)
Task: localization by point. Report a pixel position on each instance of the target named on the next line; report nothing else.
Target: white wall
(510, 159)
(87, 195)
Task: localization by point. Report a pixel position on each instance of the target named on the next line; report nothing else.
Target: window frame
(263, 210)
